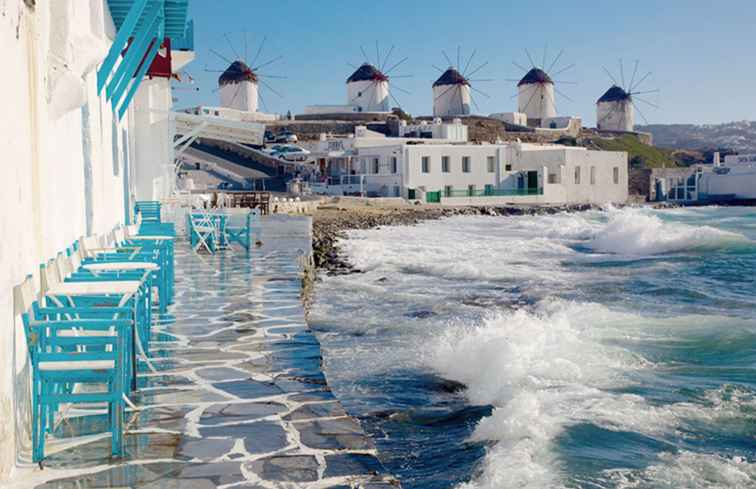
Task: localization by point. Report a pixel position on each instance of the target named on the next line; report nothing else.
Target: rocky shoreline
(330, 222)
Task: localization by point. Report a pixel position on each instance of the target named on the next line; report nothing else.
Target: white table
(120, 266)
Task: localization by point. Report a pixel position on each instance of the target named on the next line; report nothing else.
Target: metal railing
(496, 192)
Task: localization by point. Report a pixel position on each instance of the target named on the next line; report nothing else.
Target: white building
(451, 94)
(453, 131)
(614, 111)
(535, 95)
(733, 181)
(474, 174)
(79, 146)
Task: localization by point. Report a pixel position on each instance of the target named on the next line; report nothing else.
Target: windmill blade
(545, 48)
(635, 71)
(259, 50)
(478, 69)
(516, 80)
(656, 90)
(401, 89)
(458, 52)
(267, 63)
(277, 77)
(385, 61)
(448, 60)
(479, 91)
(443, 93)
(367, 60)
(639, 112)
(245, 46)
(396, 65)
(352, 65)
(638, 83)
(394, 77)
(562, 94)
(398, 103)
(646, 102)
(609, 74)
(467, 65)
(221, 56)
(208, 70)
(519, 66)
(267, 85)
(563, 70)
(439, 69)
(377, 54)
(262, 99)
(553, 63)
(564, 82)
(233, 50)
(530, 58)
(478, 80)
(472, 99)
(622, 72)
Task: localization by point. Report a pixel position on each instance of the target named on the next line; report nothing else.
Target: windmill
(535, 90)
(452, 91)
(368, 87)
(615, 110)
(239, 83)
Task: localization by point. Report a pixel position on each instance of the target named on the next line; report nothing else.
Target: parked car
(286, 137)
(269, 137)
(295, 153)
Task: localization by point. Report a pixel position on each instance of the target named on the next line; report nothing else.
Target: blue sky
(701, 53)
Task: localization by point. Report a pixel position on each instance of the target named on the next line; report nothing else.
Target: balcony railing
(509, 192)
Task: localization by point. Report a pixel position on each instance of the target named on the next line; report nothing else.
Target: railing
(510, 192)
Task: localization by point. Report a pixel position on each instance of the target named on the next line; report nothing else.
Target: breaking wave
(636, 232)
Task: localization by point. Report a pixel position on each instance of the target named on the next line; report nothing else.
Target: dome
(614, 94)
(535, 75)
(451, 77)
(367, 72)
(237, 72)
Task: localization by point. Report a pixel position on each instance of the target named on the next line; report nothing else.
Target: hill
(728, 137)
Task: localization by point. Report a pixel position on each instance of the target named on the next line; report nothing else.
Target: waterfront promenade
(234, 394)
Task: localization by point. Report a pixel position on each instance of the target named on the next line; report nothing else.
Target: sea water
(604, 349)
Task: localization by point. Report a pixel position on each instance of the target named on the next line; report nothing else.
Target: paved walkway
(237, 397)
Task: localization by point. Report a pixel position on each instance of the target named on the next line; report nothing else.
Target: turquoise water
(605, 349)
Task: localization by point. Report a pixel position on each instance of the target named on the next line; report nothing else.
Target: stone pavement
(234, 395)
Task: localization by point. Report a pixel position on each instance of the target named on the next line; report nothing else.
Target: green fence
(511, 192)
(433, 197)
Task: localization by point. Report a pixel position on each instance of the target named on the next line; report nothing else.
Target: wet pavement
(234, 394)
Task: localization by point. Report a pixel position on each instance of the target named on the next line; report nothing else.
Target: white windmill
(239, 83)
(452, 91)
(535, 90)
(368, 87)
(615, 110)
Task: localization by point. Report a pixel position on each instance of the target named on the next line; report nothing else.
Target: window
(426, 164)
(593, 175)
(615, 175)
(488, 189)
(553, 178)
(394, 165)
(397, 191)
(448, 191)
(471, 190)
(375, 167)
(465, 164)
(445, 164)
(577, 175)
(491, 164)
(508, 167)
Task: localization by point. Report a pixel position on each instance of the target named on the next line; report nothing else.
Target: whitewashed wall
(368, 95)
(239, 96)
(62, 156)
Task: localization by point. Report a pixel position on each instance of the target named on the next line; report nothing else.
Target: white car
(292, 153)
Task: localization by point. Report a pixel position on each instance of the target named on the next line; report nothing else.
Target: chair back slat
(49, 277)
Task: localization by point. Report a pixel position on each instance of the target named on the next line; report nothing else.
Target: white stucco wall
(615, 116)
(536, 100)
(451, 100)
(239, 96)
(368, 95)
(64, 162)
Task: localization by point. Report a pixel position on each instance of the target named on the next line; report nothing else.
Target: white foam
(633, 231)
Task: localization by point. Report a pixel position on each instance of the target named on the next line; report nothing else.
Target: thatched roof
(451, 77)
(237, 72)
(367, 72)
(535, 75)
(614, 94)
